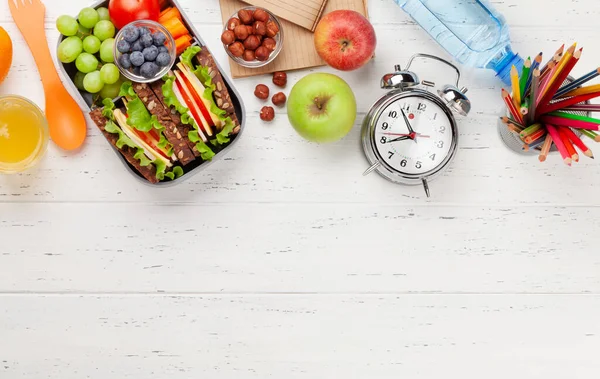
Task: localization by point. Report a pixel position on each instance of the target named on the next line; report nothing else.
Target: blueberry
(163, 59)
(147, 40)
(144, 30)
(137, 46)
(159, 39)
(137, 58)
(163, 49)
(124, 61)
(131, 34)
(150, 53)
(136, 71)
(149, 70)
(123, 46)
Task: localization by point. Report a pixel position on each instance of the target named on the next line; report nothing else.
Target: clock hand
(407, 135)
(410, 129)
(404, 138)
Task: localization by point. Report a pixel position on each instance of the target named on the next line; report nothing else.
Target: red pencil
(577, 141)
(555, 86)
(559, 144)
(511, 106)
(547, 108)
(570, 148)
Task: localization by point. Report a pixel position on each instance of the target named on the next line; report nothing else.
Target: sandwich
(174, 124)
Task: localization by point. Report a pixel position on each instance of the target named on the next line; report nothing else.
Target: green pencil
(590, 134)
(571, 116)
(525, 76)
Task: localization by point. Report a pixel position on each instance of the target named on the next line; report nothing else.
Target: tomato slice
(153, 133)
(190, 104)
(151, 142)
(198, 101)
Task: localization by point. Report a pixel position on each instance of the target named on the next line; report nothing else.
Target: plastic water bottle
(472, 31)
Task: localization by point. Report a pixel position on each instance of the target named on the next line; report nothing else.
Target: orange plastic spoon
(65, 120)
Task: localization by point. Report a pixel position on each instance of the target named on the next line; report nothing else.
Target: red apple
(345, 40)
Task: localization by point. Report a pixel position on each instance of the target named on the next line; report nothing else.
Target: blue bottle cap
(505, 65)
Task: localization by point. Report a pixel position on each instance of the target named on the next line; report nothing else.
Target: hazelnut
(249, 55)
(269, 43)
(250, 29)
(260, 28)
(279, 99)
(252, 42)
(280, 79)
(262, 92)
(262, 53)
(233, 23)
(267, 114)
(228, 37)
(272, 28)
(261, 15)
(236, 49)
(245, 16)
(241, 32)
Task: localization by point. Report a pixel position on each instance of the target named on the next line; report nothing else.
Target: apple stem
(318, 104)
(345, 45)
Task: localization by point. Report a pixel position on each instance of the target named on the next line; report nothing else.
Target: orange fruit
(6, 53)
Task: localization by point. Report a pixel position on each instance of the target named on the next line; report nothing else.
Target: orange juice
(23, 134)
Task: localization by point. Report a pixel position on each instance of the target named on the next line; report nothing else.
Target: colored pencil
(535, 84)
(583, 91)
(525, 76)
(578, 142)
(568, 144)
(554, 59)
(507, 120)
(590, 134)
(545, 148)
(544, 75)
(534, 65)
(511, 107)
(584, 108)
(578, 82)
(530, 130)
(516, 89)
(572, 116)
(514, 128)
(562, 75)
(547, 108)
(537, 143)
(560, 121)
(562, 149)
(535, 136)
(557, 73)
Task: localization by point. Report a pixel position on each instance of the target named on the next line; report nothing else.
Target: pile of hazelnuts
(267, 113)
(251, 35)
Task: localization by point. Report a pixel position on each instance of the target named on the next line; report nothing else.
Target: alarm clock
(410, 135)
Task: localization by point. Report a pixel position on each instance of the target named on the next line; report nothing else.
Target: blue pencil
(584, 79)
(536, 64)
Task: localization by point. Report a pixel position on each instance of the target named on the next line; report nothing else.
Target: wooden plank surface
(283, 261)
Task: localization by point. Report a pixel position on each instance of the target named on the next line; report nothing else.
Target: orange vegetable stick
(176, 27)
(183, 43)
(169, 14)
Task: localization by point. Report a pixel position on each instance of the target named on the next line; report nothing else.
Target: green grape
(92, 82)
(110, 91)
(83, 32)
(86, 63)
(109, 73)
(106, 50)
(67, 25)
(88, 17)
(91, 44)
(69, 49)
(103, 14)
(104, 30)
(78, 80)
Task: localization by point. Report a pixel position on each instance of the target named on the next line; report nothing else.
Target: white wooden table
(282, 261)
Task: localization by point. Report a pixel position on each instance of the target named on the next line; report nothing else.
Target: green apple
(322, 108)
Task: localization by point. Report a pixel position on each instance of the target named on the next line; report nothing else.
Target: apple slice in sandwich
(196, 86)
(144, 140)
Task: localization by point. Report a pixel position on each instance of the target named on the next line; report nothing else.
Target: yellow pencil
(561, 65)
(583, 91)
(516, 88)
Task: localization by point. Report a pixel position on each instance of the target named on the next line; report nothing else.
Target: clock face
(414, 135)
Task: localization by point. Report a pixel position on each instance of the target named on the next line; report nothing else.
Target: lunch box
(85, 100)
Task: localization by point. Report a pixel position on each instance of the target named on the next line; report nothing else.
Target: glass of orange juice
(23, 134)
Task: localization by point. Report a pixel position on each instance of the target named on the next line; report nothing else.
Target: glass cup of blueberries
(144, 51)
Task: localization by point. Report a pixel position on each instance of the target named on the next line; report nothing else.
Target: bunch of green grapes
(89, 44)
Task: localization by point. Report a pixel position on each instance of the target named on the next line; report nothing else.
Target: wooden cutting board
(298, 49)
(305, 13)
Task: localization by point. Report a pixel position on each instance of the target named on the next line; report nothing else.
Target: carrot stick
(559, 144)
(570, 148)
(578, 142)
(545, 148)
(176, 27)
(183, 43)
(169, 14)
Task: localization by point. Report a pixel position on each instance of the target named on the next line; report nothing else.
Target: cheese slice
(199, 88)
(148, 150)
(179, 97)
(202, 121)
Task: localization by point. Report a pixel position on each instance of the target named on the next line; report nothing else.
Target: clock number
(419, 165)
(440, 144)
(434, 117)
(406, 107)
(391, 153)
(403, 163)
(393, 114)
(385, 126)
(432, 156)
(422, 107)
(442, 129)
(383, 139)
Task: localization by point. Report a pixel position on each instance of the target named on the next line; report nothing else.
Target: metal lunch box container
(85, 101)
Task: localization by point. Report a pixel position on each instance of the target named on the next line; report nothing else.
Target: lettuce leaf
(171, 100)
(123, 140)
(188, 55)
(108, 109)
